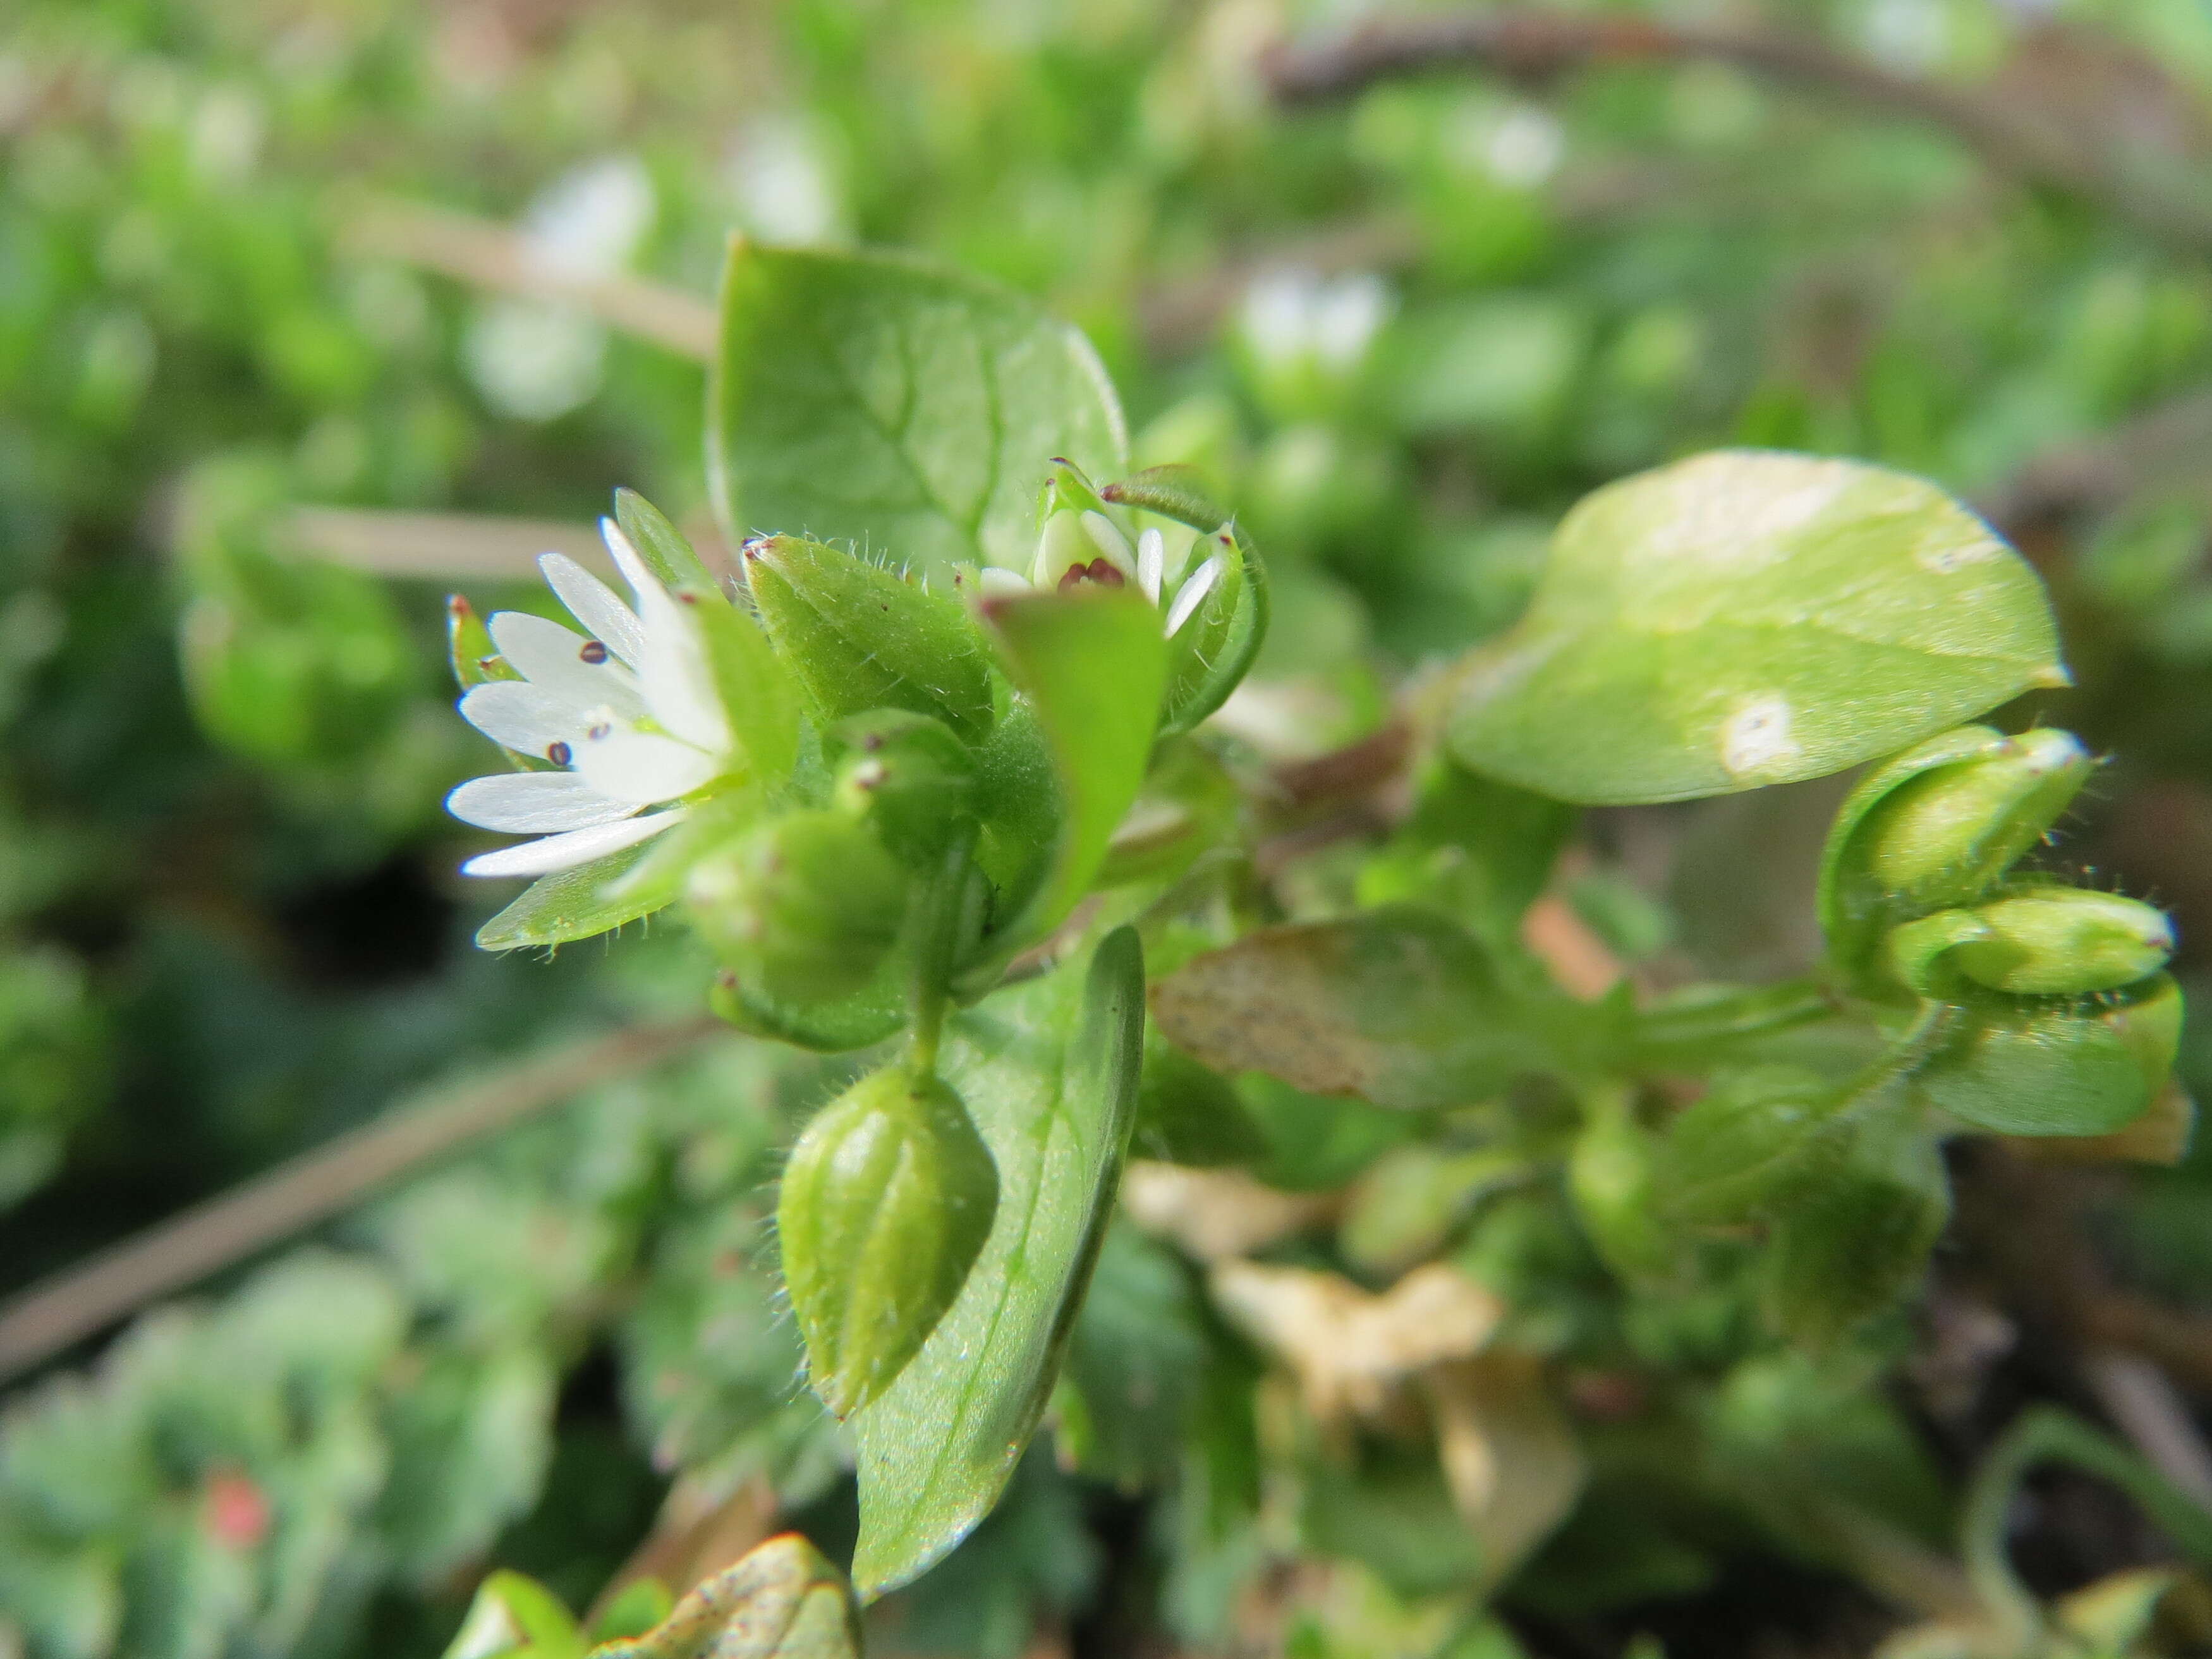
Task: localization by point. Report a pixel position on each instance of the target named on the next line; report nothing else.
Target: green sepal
(2065, 941)
(886, 1203)
(762, 699)
(2079, 1066)
(590, 899)
(475, 661)
(667, 552)
(1934, 829)
(1214, 648)
(1175, 492)
(806, 905)
(860, 637)
(911, 775)
(781, 1601)
(858, 1020)
(1089, 663)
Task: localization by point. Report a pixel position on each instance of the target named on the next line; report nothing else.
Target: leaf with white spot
(1749, 617)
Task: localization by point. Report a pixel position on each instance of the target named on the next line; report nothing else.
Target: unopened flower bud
(860, 637)
(806, 906)
(2064, 941)
(911, 775)
(1945, 837)
(885, 1205)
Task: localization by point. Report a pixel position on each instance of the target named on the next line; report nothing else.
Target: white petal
(1106, 536)
(997, 584)
(1151, 559)
(641, 768)
(677, 680)
(542, 857)
(593, 603)
(555, 660)
(525, 802)
(1192, 593)
(629, 560)
(526, 718)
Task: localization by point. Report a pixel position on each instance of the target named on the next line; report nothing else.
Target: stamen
(559, 753)
(598, 730)
(593, 652)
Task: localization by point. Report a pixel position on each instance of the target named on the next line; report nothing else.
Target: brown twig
(79, 1301)
(1528, 44)
(489, 255)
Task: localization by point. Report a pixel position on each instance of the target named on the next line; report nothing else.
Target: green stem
(1685, 1028)
(936, 924)
(2047, 1433)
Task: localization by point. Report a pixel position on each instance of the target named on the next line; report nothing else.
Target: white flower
(628, 710)
(1089, 547)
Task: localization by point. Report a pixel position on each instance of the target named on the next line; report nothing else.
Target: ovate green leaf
(1049, 1075)
(876, 399)
(1748, 618)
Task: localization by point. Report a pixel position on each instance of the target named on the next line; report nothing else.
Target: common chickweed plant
(926, 765)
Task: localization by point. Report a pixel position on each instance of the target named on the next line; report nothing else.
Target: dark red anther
(559, 753)
(593, 652)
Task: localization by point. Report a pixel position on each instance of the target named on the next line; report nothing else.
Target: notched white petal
(677, 679)
(1106, 536)
(629, 560)
(1191, 594)
(542, 857)
(595, 605)
(524, 718)
(583, 672)
(641, 766)
(524, 803)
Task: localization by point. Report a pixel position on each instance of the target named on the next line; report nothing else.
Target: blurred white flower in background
(782, 185)
(1292, 317)
(537, 359)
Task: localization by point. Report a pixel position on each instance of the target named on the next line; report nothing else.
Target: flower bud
(860, 637)
(885, 1205)
(2084, 1065)
(806, 905)
(911, 773)
(1945, 837)
(2064, 941)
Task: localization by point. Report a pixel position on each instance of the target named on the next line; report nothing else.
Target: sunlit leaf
(1750, 617)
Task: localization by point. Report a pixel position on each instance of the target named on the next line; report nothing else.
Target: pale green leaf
(876, 398)
(1049, 1074)
(781, 1601)
(1748, 618)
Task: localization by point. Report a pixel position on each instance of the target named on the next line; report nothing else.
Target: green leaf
(1397, 1006)
(1750, 617)
(1855, 1236)
(515, 1617)
(1092, 663)
(782, 1600)
(1049, 1075)
(876, 399)
(1737, 1151)
(574, 904)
